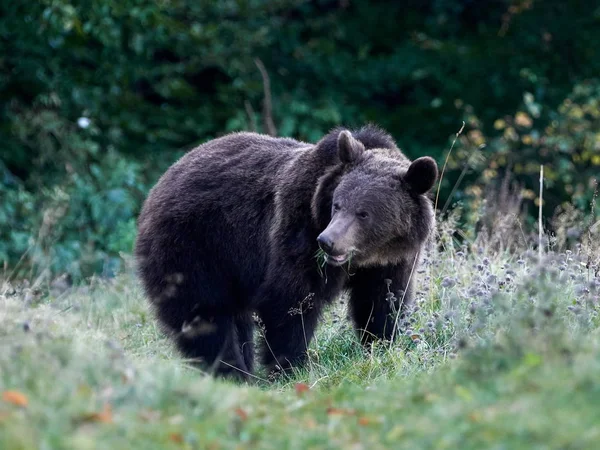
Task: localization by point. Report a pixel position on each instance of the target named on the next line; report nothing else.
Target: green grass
(501, 352)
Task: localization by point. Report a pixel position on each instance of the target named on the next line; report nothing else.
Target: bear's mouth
(338, 260)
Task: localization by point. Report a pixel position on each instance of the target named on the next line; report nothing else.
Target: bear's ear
(421, 174)
(349, 149)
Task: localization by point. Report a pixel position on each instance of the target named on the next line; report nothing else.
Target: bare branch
(251, 116)
(267, 105)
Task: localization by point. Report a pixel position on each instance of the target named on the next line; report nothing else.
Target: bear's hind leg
(213, 342)
(244, 324)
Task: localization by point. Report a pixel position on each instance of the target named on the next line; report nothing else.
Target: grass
(500, 351)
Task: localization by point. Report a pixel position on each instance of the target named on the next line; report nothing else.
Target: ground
(502, 352)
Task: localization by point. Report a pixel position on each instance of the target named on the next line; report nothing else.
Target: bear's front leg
(374, 312)
(287, 334)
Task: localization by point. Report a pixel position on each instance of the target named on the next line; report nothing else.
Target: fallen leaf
(105, 416)
(15, 397)
(301, 388)
(310, 423)
(149, 415)
(340, 411)
(176, 437)
(475, 416)
(364, 421)
(241, 413)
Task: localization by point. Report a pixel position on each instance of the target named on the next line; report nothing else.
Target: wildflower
(448, 282)
(83, 122)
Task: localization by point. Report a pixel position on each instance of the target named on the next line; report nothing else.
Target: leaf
(176, 437)
(310, 423)
(523, 120)
(301, 388)
(340, 411)
(149, 415)
(243, 415)
(105, 416)
(364, 421)
(15, 397)
(475, 416)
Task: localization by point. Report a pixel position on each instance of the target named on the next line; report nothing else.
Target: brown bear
(250, 224)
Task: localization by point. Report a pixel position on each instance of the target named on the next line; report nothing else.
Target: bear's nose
(326, 243)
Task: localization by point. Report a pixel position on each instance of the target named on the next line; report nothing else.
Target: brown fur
(231, 229)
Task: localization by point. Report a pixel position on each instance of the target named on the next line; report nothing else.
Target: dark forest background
(99, 97)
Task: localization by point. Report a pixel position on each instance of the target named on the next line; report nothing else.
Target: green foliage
(18, 208)
(565, 140)
(79, 226)
(142, 81)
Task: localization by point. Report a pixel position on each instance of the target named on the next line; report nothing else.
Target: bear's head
(374, 204)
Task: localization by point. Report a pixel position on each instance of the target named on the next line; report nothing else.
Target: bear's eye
(336, 206)
(362, 214)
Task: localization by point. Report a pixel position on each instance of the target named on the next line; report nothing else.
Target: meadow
(500, 350)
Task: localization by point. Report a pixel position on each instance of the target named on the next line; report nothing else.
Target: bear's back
(223, 172)
(218, 199)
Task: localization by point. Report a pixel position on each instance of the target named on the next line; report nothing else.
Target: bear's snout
(326, 243)
(335, 247)
(338, 239)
